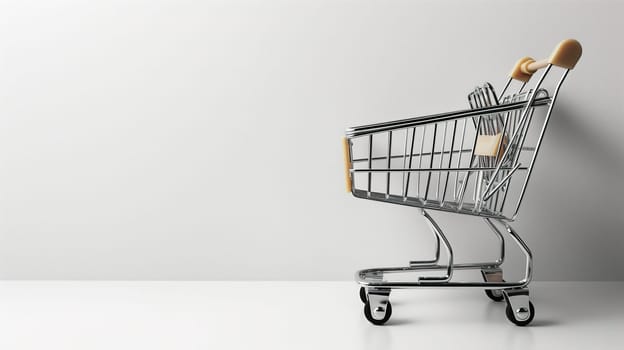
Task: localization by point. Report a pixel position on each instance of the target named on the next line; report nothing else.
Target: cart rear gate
(476, 162)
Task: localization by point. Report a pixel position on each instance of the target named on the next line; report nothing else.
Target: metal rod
(449, 271)
(505, 88)
(435, 130)
(410, 163)
(436, 118)
(540, 138)
(404, 158)
(449, 161)
(418, 154)
(461, 146)
(389, 162)
(517, 157)
(525, 113)
(501, 183)
(441, 159)
(501, 240)
(525, 249)
(399, 170)
(422, 144)
(433, 261)
(370, 161)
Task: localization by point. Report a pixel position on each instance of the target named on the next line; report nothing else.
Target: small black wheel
(495, 294)
(511, 317)
(363, 295)
(369, 316)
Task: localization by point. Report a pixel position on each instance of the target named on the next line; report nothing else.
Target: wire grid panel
(436, 164)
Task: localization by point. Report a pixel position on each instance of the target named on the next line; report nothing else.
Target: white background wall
(201, 139)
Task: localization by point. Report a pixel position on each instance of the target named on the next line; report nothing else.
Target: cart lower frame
(375, 289)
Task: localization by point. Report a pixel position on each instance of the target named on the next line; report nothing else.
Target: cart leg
(525, 249)
(414, 263)
(449, 250)
(520, 310)
(501, 240)
(493, 273)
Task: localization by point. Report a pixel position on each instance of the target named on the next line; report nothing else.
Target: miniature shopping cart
(476, 162)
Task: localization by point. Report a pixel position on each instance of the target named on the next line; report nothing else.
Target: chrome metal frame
(375, 277)
(480, 184)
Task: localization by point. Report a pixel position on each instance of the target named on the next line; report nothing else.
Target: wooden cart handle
(347, 163)
(566, 54)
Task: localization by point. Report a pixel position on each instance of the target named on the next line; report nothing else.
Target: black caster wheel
(369, 316)
(363, 295)
(511, 317)
(495, 294)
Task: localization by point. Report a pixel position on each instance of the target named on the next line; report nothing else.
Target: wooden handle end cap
(519, 73)
(566, 54)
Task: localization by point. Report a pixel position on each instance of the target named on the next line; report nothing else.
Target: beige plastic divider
(518, 74)
(487, 145)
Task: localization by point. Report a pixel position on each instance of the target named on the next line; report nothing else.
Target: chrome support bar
(438, 231)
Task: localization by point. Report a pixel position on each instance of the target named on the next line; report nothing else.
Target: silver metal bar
(477, 191)
(404, 159)
(505, 88)
(439, 284)
(429, 262)
(449, 271)
(433, 284)
(525, 113)
(441, 159)
(399, 170)
(461, 146)
(477, 185)
(449, 161)
(521, 125)
(370, 160)
(498, 148)
(410, 162)
(487, 92)
(473, 105)
(494, 205)
(417, 154)
(418, 266)
(422, 144)
(436, 118)
(522, 87)
(418, 203)
(501, 183)
(517, 156)
(435, 131)
(528, 274)
(389, 162)
(462, 190)
(362, 276)
(501, 240)
(514, 117)
(540, 138)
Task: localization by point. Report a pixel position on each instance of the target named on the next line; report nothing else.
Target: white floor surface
(298, 315)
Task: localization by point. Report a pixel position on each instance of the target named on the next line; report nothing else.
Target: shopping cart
(476, 162)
